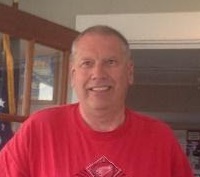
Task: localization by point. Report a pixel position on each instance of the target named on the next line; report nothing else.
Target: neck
(103, 120)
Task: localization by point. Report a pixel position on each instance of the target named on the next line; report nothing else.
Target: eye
(86, 63)
(111, 62)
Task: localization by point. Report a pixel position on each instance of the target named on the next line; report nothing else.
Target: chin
(99, 106)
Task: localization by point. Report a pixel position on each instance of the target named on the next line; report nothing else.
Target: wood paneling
(26, 26)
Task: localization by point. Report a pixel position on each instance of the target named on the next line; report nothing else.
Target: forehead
(95, 40)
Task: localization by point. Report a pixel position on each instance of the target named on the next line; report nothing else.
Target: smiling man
(98, 136)
(102, 70)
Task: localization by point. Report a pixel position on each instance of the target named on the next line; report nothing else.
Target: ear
(71, 73)
(131, 73)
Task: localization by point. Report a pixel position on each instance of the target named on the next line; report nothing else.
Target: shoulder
(150, 125)
(55, 114)
(48, 120)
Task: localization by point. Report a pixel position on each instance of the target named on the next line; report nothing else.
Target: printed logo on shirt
(102, 168)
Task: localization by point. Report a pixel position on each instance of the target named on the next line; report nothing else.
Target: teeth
(99, 88)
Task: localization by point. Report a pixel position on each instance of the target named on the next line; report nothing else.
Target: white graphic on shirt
(103, 168)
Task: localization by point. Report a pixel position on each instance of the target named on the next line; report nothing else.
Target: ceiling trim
(165, 44)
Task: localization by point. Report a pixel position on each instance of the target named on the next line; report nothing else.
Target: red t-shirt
(56, 142)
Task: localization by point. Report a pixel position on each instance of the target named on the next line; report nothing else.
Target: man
(99, 136)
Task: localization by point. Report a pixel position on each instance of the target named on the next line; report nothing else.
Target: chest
(81, 155)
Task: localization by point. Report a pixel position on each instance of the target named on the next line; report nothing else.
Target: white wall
(149, 28)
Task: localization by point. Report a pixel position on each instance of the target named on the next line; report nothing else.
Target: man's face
(101, 72)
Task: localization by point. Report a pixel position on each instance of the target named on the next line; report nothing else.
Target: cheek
(74, 79)
(78, 80)
(120, 80)
(126, 78)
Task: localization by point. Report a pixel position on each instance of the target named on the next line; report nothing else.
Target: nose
(99, 71)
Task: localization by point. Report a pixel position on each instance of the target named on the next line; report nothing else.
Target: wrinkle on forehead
(88, 41)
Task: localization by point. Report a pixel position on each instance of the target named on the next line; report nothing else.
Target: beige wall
(65, 11)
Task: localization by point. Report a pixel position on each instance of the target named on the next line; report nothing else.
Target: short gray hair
(103, 30)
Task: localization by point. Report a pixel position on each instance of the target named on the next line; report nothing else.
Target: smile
(100, 89)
